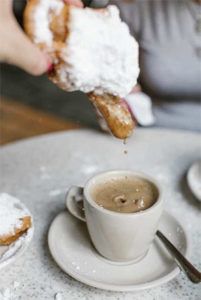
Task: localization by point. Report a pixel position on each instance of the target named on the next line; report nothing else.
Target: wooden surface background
(19, 121)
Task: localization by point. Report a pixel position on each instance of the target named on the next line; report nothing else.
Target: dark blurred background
(41, 93)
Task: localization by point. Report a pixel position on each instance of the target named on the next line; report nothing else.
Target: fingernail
(49, 64)
(50, 68)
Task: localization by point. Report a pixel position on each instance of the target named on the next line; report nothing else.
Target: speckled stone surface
(39, 172)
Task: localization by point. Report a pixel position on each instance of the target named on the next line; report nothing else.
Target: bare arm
(16, 48)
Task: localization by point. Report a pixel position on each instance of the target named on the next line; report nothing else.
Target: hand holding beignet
(92, 51)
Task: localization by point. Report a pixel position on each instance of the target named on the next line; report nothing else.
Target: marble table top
(39, 171)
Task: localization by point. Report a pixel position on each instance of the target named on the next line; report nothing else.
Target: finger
(22, 53)
(127, 107)
(77, 3)
(136, 89)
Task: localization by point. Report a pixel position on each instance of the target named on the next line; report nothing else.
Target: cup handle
(75, 193)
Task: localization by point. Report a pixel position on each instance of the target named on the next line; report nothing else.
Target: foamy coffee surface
(125, 195)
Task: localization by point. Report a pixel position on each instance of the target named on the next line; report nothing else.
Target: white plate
(194, 179)
(9, 254)
(71, 248)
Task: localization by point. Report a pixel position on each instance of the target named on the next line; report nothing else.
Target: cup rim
(142, 175)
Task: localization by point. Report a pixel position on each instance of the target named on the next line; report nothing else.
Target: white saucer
(71, 248)
(9, 254)
(194, 179)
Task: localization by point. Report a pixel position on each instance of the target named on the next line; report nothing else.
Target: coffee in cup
(125, 194)
(125, 235)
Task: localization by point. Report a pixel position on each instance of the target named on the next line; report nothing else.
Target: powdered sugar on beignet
(92, 51)
(42, 18)
(14, 219)
(98, 54)
(101, 55)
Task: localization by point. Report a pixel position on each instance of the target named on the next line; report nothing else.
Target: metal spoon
(191, 272)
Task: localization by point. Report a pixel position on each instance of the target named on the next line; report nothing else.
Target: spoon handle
(191, 272)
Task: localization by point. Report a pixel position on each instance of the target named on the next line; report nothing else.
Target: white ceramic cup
(120, 237)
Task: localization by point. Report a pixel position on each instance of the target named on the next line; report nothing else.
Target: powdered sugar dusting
(55, 193)
(16, 284)
(120, 113)
(41, 19)
(96, 59)
(100, 53)
(5, 294)
(11, 210)
(10, 293)
(58, 296)
(10, 213)
(17, 245)
(166, 155)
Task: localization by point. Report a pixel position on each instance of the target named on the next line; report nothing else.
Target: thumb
(77, 3)
(19, 50)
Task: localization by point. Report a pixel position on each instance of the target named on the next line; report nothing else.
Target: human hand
(77, 3)
(16, 48)
(136, 89)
